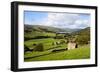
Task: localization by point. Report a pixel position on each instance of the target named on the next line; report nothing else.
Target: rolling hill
(82, 36)
(38, 31)
(82, 31)
(41, 28)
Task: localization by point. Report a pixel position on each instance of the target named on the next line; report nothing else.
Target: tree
(39, 47)
(83, 39)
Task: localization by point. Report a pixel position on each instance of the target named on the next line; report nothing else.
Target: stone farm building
(72, 44)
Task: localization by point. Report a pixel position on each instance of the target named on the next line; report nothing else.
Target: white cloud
(82, 23)
(65, 20)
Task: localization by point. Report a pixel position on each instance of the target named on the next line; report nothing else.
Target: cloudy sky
(59, 20)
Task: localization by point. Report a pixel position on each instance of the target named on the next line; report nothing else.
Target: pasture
(43, 43)
(47, 42)
(82, 52)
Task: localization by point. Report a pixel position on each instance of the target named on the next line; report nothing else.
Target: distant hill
(41, 28)
(84, 31)
(37, 31)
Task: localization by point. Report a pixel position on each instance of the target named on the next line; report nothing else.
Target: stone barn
(72, 45)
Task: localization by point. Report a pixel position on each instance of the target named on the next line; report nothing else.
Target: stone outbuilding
(72, 44)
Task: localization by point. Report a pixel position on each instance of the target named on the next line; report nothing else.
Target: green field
(46, 42)
(46, 38)
(82, 52)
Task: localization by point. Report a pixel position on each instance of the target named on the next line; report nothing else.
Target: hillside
(82, 31)
(82, 36)
(62, 55)
(41, 28)
(37, 31)
(44, 43)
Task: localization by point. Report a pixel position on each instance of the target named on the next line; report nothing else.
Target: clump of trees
(83, 36)
(39, 47)
(59, 36)
(83, 39)
(26, 48)
(37, 37)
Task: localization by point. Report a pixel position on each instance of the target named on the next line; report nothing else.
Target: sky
(57, 19)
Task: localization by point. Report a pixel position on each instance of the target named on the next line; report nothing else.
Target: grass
(31, 34)
(48, 39)
(83, 52)
(47, 42)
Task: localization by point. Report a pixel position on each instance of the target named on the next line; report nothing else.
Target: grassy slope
(79, 53)
(46, 42)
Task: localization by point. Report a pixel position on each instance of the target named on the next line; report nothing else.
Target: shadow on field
(37, 56)
(52, 52)
(53, 47)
